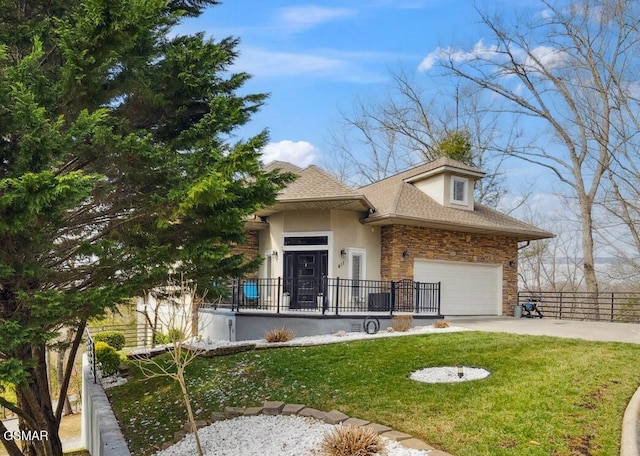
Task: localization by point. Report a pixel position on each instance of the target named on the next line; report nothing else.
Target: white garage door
(466, 288)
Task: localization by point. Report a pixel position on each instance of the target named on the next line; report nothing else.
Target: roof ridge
(398, 198)
(413, 170)
(332, 177)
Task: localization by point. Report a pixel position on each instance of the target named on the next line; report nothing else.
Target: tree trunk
(9, 445)
(591, 281)
(64, 386)
(66, 410)
(190, 415)
(34, 399)
(590, 277)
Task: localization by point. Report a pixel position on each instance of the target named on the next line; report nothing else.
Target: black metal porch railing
(330, 296)
(621, 307)
(91, 354)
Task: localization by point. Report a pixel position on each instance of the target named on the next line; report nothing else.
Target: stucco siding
(349, 233)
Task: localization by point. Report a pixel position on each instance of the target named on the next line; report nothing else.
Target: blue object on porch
(250, 292)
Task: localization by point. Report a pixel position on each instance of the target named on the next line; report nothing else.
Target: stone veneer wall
(434, 244)
(250, 248)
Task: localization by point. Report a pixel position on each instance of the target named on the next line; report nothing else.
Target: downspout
(524, 246)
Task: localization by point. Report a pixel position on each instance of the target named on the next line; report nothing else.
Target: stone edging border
(332, 417)
(630, 427)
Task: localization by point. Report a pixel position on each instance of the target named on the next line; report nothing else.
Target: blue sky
(315, 59)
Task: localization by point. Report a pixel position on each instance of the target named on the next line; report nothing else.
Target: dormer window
(459, 190)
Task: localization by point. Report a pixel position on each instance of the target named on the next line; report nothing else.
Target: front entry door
(303, 272)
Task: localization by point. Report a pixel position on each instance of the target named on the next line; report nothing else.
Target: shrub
(283, 334)
(402, 323)
(351, 441)
(173, 335)
(441, 324)
(114, 338)
(107, 357)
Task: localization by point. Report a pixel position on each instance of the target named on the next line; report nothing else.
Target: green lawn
(546, 396)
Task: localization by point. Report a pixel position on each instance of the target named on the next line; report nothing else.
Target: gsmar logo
(26, 436)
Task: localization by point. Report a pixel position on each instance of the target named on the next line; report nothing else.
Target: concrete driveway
(588, 330)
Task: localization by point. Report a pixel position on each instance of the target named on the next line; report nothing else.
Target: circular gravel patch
(449, 374)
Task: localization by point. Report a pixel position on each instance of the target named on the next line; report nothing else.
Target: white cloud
(298, 18)
(336, 65)
(545, 57)
(479, 51)
(539, 57)
(300, 153)
(260, 62)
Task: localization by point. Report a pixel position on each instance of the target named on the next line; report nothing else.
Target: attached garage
(466, 288)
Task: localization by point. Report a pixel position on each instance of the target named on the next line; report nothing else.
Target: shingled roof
(395, 200)
(314, 188)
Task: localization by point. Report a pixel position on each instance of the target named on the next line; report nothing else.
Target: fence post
(392, 304)
(278, 294)
(325, 295)
(439, 291)
(337, 295)
(560, 307)
(234, 294)
(612, 304)
(417, 295)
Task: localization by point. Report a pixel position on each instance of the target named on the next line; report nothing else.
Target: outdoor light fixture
(460, 371)
(512, 263)
(343, 253)
(405, 254)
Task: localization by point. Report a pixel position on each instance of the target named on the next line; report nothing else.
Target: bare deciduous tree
(572, 70)
(175, 313)
(621, 206)
(410, 126)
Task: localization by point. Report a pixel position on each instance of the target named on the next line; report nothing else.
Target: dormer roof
(442, 165)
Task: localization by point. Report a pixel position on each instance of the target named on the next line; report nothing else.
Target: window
(306, 240)
(459, 190)
(357, 273)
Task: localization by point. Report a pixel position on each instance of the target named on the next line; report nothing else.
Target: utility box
(517, 311)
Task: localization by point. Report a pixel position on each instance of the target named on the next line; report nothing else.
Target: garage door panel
(466, 288)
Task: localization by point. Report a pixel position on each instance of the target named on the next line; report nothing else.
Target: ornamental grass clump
(352, 441)
(441, 324)
(402, 323)
(283, 334)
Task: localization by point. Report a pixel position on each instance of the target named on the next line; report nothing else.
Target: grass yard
(546, 396)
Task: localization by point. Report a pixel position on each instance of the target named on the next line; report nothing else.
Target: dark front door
(303, 272)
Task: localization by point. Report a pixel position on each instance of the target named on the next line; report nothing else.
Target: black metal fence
(91, 354)
(623, 307)
(330, 296)
(135, 335)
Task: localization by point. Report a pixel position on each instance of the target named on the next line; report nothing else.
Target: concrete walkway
(587, 330)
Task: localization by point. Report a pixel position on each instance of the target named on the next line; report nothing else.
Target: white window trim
(308, 248)
(302, 248)
(465, 193)
(363, 268)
